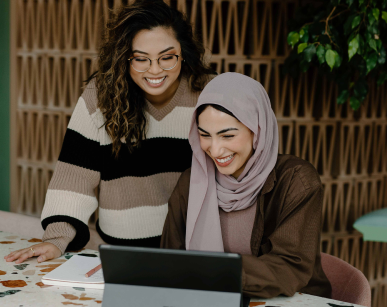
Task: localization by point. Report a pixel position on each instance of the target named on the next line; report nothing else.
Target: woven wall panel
(55, 45)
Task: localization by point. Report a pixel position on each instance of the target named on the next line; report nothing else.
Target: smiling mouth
(155, 81)
(226, 159)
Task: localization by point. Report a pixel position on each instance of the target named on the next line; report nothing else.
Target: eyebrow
(165, 50)
(219, 132)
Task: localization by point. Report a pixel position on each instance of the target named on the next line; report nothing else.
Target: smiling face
(225, 140)
(159, 85)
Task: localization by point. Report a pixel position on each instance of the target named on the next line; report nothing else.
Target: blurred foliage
(346, 40)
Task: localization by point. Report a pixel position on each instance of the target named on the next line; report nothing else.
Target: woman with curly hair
(128, 135)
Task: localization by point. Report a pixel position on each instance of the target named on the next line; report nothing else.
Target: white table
(21, 286)
(299, 300)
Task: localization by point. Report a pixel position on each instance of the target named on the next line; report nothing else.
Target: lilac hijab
(209, 189)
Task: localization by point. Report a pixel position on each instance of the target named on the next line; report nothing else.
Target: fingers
(51, 252)
(44, 251)
(15, 254)
(23, 254)
(27, 254)
(42, 258)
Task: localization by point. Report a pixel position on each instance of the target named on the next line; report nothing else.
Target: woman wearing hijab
(241, 196)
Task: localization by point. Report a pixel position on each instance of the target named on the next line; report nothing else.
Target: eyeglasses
(166, 62)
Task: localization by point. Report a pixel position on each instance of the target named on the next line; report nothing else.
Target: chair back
(348, 283)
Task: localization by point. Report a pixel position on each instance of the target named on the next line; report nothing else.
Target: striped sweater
(133, 189)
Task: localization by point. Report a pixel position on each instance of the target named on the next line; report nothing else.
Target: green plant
(346, 40)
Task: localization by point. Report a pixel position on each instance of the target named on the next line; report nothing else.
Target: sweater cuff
(243, 278)
(60, 234)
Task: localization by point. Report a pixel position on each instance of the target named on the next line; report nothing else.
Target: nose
(216, 149)
(155, 68)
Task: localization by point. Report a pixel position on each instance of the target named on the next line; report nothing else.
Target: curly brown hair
(119, 98)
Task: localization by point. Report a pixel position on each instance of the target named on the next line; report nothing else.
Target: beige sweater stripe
(69, 177)
(132, 192)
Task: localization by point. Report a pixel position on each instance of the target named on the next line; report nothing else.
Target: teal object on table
(373, 225)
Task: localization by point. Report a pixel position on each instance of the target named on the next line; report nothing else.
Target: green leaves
(348, 24)
(343, 97)
(371, 61)
(371, 18)
(382, 56)
(372, 44)
(320, 54)
(376, 13)
(362, 46)
(351, 49)
(360, 89)
(301, 47)
(354, 103)
(373, 29)
(330, 58)
(382, 78)
(384, 16)
(356, 22)
(304, 34)
(309, 52)
(293, 38)
(353, 46)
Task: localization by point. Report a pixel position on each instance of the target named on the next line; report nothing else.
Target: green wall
(4, 105)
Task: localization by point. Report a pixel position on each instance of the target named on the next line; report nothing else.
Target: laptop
(150, 277)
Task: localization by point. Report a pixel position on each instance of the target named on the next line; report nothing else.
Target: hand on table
(45, 251)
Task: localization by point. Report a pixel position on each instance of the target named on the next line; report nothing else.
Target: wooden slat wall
(54, 45)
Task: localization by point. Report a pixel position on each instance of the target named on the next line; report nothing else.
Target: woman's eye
(228, 136)
(167, 57)
(204, 135)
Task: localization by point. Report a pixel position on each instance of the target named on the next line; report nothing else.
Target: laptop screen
(179, 269)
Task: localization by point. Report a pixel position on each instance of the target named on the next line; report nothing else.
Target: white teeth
(155, 81)
(225, 159)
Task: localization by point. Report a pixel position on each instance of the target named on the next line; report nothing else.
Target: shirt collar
(269, 183)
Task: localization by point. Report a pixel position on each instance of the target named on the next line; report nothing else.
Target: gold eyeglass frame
(158, 63)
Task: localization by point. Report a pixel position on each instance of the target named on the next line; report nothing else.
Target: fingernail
(40, 259)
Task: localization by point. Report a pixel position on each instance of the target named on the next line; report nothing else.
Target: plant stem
(340, 13)
(326, 22)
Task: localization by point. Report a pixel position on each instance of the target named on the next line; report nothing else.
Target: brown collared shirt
(285, 240)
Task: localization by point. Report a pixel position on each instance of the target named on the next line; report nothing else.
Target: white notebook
(72, 273)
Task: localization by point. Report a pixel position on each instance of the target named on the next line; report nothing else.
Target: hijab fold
(209, 189)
